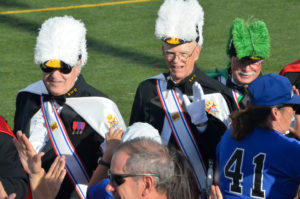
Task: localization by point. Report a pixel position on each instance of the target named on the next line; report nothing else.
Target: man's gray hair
(149, 157)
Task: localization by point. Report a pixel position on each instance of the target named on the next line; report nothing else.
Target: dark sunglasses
(64, 68)
(118, 179)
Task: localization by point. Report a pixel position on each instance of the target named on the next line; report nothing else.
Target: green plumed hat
(248, 39)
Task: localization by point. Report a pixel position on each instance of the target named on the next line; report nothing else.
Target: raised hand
(30, 160)
(55, 176)
(196, 109)
(215, 192)
(113, 139)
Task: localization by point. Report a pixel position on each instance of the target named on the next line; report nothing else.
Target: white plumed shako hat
(63, 39)
(180, 21)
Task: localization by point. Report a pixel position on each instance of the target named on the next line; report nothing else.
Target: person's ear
(197, 52)
(274, 114)
(163, 50)
(149, 185)
(77, 69)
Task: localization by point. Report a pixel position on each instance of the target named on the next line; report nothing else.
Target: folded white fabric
(141, 129)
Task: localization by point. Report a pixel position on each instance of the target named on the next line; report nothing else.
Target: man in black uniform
(12, 175)
(247, 47)
(188, 108)
(62, 114)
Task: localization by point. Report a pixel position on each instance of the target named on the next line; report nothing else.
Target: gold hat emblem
(53, 63)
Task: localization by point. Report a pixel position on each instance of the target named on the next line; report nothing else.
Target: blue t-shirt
(266, 164)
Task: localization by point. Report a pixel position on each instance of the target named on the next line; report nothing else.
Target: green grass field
(121, 43)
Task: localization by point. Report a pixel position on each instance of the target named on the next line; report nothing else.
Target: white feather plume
(61, 38)
(178, 19)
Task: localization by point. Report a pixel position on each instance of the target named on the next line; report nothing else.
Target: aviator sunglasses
(118, 179)
(64, 68)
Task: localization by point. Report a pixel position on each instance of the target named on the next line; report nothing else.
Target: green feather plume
(250, 39)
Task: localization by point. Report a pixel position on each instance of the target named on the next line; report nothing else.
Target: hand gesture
(215, 192)
(55, 176)
(113, 139)
(196, 109)
(295, 90)
(30, 160)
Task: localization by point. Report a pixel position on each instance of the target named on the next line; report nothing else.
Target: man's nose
(109, 187)
(55, 73)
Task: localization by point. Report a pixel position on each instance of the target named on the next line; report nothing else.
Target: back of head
(149, 156)
(248, 39)
(184, 184)
(180, 21)
(245, 121)
(61, 38)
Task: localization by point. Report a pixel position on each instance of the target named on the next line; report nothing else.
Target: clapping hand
(30, 160)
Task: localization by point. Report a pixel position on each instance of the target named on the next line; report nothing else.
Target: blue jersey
(266, 164)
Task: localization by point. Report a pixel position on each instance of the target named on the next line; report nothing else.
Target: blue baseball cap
(271, 90)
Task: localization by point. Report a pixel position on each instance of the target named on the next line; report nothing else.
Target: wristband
(100, 161)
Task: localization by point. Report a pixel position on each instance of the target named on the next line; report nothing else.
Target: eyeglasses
(118, 179)
(64, 68)
(253, 63)
(170, 56)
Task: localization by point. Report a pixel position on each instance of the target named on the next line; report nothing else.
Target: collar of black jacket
(75, 91)
(185, 86)
(241, 88)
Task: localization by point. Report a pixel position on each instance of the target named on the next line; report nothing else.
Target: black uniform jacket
(12, 175)
(86, 144)
(147, 108)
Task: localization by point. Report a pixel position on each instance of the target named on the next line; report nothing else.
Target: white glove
(196, 109)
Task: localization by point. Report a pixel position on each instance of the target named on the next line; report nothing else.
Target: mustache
(247, 74)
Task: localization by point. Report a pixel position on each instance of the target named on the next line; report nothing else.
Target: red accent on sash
(292, 67)
(4, 128)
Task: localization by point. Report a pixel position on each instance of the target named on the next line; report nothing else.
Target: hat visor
(294, 100)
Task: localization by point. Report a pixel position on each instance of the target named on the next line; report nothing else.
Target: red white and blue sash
(63, 146)
(236, 98)
(181, 130)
